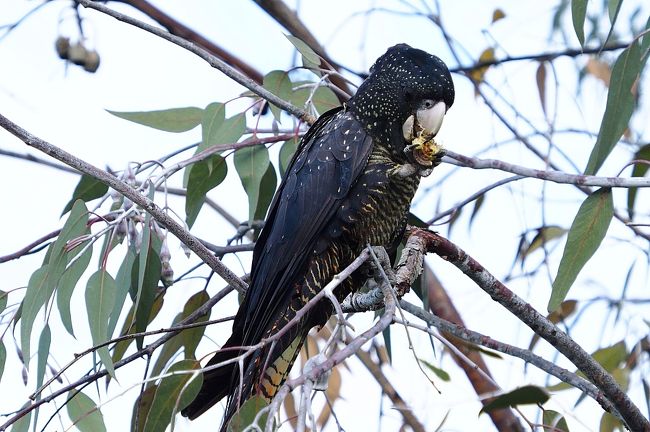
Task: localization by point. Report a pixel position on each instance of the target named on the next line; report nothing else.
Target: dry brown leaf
(333, 392)
(478, 73)
(600, 70)
(290, 409)
(497, 15)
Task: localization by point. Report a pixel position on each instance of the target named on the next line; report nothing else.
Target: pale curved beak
(430, 119)
(407, 129)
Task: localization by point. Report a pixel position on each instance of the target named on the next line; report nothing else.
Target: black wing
(332, 156)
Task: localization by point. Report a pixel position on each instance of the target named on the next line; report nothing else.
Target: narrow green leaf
(204, 176)
(169, 120)
(3, 300)
(525, 395)
(59, 256)
(100, 299)
(168, 350)
(247, 413)
(287, 151)
(174, 393)
(84, 413)
(35, 298)
(585, 236)
(43, 353)
(251, 164)
(3, 358)
(304, 49)
(122, 286)
(67, 284)
(22, 425)
(147, 289)
(613, 8)
(88, 189)
(141, 408)
(278, 83)
(578, 14)
(436, 370)
(639, 170)
(267, 190)
(192, 337)
(619, 107)
(128, 327)
(555, 420)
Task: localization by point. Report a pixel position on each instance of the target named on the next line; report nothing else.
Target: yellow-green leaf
(287, 151)
(174, 393)
(84, 413)
(554, 421)
(247, 413)
(585, 236)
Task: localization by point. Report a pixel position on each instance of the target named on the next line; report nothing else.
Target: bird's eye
(428, 104)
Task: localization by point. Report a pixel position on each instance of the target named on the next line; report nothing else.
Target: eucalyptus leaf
(585, 236)
(639, 170)
(84, 413)
(525, 395)
(43, 354)
(100, 299)
(174, 393)
(67, 284)
(278, 83)
(619, 107)
(287, 151)
(252, 164)
(88, 189)
(204, 176)
(169, 120)
(578, 14)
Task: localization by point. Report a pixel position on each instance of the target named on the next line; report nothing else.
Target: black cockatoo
(349, 184)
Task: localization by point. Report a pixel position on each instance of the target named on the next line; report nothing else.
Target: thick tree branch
(156, 212)
(212, 60)
(540, 325)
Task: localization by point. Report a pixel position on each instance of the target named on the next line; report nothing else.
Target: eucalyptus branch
(156, 212)
(528, 356)
(554, 176)
(547, 56)
(212, 60)
(540, 325)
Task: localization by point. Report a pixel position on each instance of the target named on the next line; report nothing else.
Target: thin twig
(156, 212)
